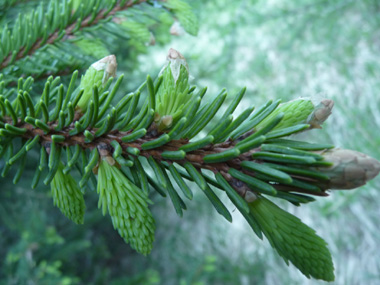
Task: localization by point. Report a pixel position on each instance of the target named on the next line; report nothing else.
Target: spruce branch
(57, 31)
(126, 151)
(74, 26)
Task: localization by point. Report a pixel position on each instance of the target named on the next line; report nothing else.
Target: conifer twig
(69, 31)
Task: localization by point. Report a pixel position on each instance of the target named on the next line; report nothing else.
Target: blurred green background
(278, 49)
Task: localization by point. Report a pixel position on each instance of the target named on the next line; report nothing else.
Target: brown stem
(194, 157)
(68, 32)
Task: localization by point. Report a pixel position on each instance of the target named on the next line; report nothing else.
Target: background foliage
(278, 49)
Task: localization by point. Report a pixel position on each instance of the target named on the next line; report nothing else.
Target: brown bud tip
(174, 54)
(321, 113)
(175, 59)
(351, 169)
(108, 64)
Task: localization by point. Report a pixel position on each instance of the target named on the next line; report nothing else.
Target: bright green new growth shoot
(173, 96)
(302, 111)
(293, 240)
(127, 206)
(67, 196)
(96, 77)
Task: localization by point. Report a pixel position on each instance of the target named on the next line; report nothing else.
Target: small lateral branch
(69, 31)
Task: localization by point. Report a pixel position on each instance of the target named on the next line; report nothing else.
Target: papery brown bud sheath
(350, 169)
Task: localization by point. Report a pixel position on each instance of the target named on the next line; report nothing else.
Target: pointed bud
(172, 95)
(295, 112)
(350, 169)
(176, 61)
(67, 196)
(320, 114)
(301, 111)
(107, 65)
(97, 75)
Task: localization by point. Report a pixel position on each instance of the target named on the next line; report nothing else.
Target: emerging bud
(321, 112)
(172, 96)
(107, 65)
(295, 112)
(97, 75)
(350, 169)
(301, 111)
(176, 61)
